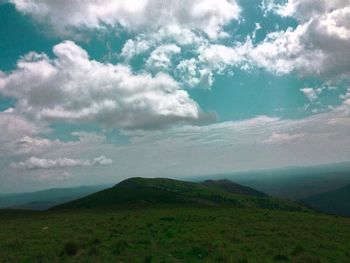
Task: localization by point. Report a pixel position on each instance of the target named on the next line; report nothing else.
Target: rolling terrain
(164, 220)
(334, 202)
(293, 183)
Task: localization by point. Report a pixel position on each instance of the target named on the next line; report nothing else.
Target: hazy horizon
(259, 175)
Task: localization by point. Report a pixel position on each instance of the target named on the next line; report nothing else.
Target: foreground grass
(177, 234)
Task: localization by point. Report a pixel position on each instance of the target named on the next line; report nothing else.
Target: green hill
(335, 202)
(147, 191)
(232, 187)
(163, 220)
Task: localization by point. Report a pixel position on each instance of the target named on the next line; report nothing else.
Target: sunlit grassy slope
(192, 225)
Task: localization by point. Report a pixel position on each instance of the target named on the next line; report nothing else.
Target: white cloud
(318, 46)
(149, 15)
(160, 58)
(283, 138)
(135, 47)
(218, 56)
(35, 145)
(310, 93)
(20, 136)
(102, 160)
(168, 35)
(65, 176)
(188, 72)
(14, 126)
(74, 88)
(257, 28)
(306, 9)
(212, 58)
(42, 163)
(180, 35)
(258, 143)
(71, 87)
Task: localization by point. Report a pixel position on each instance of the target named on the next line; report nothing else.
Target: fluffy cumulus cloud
(42, 163)
(72, 87)
(21, 136)
(148, 15)
(304, 9)
(212, 59)
(311, 94)
(160, 58)
(135, 47)
(34, 145)
(218, 56)
(183, 44)
(160, 29)
(318, 46)
(14, 126)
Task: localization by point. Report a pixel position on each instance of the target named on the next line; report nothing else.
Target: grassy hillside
(232, 187)
(173, 234)
(163, 220)
(334, 202)
(148, 191)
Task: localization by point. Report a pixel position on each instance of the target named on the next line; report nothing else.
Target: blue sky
(97, 91)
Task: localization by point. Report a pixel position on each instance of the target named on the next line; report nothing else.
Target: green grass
(163, 220)
(173, 233)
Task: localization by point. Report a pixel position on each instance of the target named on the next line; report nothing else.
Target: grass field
(173, 234)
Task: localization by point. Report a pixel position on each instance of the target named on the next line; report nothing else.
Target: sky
(93, 92)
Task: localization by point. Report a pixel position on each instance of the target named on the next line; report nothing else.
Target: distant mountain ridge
(157, 191)
(44, 199)
(334, 202)
(293, 183)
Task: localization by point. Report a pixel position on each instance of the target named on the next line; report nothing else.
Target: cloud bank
(42, 163)
(318, 46)
(74, 88)
(179, 45)
(148, 15)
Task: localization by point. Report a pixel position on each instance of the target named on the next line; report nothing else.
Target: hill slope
(334, 202)
(175, 221)
(142, 191)
(232, 187)
(173, 234)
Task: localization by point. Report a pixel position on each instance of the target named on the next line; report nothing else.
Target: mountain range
(45, 199)
(324, 188)
(150, 191)
(335, 202)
